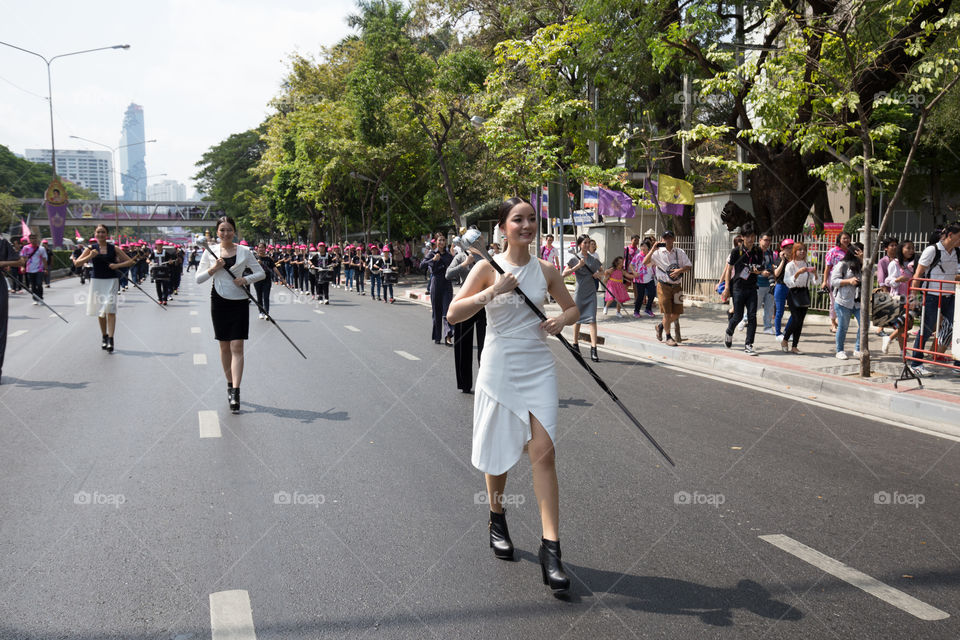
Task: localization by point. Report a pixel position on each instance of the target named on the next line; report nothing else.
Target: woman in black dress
(229, 305)
(441, 289)
(107, 259)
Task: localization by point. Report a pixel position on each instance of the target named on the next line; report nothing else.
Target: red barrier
(936, 315)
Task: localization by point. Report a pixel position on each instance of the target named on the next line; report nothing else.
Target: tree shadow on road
(304, 416)
(714, 606)
(42, 385)
(574, 402)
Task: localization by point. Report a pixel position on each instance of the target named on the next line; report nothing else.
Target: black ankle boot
(109, 344)
(235, 400)
(103, 342)
(229, 392)
(576, 345)
(500, 536)
(551, 568)
(593, 354)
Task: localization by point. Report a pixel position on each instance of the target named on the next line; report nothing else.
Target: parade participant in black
(161, 267)
(304, 270)
(74, 269)
(390, 275)
(336, 263)
(17, 247)
(229, 306)
(108, 260)
(177, 270)
(458, 270)
(360, 266)
(436, 263)
(9, 259)
(375, 268)
(323, 263)
(46, 274)
(263, 286)
(516, 404)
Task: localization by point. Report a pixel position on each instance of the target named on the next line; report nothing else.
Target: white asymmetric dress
(517, 375)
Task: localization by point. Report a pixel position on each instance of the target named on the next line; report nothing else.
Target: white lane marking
(52, 315)
(231, 616)
(193, 313)
(194, 329)
(408, 356)
(858, 579)
(209, 424)
(18, 333)
(318, 311)
(351, 328)
(199, 358)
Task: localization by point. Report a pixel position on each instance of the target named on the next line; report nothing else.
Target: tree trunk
(866, 278)
(448, 185)
(782, 190)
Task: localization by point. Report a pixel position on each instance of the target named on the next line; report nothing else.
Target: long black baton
(35, 296)
(254, 301)
(134, 283)
(474, 242)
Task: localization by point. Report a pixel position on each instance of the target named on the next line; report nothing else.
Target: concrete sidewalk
(815, 373)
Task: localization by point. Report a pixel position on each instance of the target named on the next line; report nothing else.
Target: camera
(661, 244)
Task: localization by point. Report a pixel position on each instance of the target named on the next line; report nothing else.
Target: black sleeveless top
(102, 261)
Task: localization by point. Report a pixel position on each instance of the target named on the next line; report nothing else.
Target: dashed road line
(408, 356)
(194, 329)
(858, 579)
(318, 311)
(199, 358)
(17, 333)
(193, 313)
(351, 328)
(209, 424)
(231, 616)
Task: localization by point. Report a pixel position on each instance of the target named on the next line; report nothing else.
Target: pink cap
(336, 246)
(786, 243)
(321, 244)
(244, 243)
(386, 247)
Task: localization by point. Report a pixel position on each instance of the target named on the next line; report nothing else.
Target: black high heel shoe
(576, 345)
(551, 568)
(103, 342)
(229, 392)
(593, 354)
(500, 536)
(235, 400)
(109, 344)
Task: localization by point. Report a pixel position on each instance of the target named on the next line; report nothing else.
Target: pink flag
(24, 229)
(77, 231)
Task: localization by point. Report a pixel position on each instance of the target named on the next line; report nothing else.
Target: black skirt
(231, 318)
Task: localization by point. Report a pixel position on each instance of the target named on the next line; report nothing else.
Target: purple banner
(615, 204)
(57, 215)
(667, 208)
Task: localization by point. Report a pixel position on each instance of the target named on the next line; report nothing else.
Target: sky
(201, 69)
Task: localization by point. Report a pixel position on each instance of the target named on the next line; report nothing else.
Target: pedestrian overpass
(129, 213)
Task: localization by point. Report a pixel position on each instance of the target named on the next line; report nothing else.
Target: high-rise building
(133, 167)
(167, 190)
(91, 170)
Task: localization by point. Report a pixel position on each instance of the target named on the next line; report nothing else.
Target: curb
(929, 409)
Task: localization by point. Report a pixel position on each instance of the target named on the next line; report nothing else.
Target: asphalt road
(342, 502)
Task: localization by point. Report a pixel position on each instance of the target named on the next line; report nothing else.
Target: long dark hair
(228, 220)
(853, 262)
(504, 210)
(902, 260)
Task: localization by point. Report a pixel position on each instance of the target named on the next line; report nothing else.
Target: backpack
(936, 257)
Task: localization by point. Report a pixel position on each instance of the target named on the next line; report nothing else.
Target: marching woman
(515, 406)
(228, 301)
(263, 286)
(107, 260)
(389, 273)
(441, 290)
(324, 264)
(588, 272)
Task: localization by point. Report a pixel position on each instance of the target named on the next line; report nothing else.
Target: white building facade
(91, 170)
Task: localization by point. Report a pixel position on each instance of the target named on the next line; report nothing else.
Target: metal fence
(709, 255)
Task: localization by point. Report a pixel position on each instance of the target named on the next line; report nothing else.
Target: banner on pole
(56, 203)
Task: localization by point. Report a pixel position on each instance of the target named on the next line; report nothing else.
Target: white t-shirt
(946, 269)
(666, 261)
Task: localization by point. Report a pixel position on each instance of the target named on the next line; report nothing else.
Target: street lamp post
(113, 154)
(53, 152)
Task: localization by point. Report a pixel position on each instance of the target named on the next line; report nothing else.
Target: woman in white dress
(515, 406)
